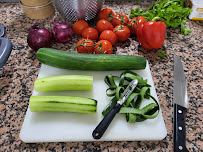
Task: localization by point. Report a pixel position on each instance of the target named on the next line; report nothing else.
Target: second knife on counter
(180, 99)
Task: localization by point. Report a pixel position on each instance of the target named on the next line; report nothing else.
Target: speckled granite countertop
(22, 69)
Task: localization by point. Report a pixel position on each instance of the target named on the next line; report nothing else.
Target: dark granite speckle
(22, 69)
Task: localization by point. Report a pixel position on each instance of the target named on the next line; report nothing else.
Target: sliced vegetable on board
(90, 62)
(62, 104)
(132, 107)
(64, 82)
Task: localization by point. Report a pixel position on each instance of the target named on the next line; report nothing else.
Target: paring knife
(103, 125)
(180, 99)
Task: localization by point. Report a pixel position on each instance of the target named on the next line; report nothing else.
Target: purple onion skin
(39, 37)
(62, 32)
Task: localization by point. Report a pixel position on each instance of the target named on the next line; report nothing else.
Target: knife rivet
(180, 147)
(179, 111)
(97, 134)
(180, 128)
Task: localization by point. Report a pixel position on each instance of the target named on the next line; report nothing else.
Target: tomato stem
(134, 21)
(121, 27)
(99, 49)
(85, 46)
(93, 45)
(122, 19)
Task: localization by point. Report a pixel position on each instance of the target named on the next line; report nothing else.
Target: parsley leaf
(161, 54)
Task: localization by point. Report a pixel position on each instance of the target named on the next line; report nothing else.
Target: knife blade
(180, 100)
(103, 125)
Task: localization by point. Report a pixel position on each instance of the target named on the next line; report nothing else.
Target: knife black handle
(103, 125)
(179, 135)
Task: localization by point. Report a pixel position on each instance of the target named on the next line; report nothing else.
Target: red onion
(62, 32)
(39, 37)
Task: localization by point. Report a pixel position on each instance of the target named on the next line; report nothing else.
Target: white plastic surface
(73, 127)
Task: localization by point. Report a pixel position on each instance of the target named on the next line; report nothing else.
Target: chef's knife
(180, 98)
(103, 125)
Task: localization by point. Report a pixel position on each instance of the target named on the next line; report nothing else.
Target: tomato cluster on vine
(109, 29)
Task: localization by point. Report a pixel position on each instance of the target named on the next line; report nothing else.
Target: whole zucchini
(90, 62)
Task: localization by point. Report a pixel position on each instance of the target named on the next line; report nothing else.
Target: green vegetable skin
(64, 82)
(62, 104)
(132, 106)
(171, 12)
(89, 62)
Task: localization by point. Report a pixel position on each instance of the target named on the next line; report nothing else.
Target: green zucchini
(90, 62)
(64, 82)
(62, 104)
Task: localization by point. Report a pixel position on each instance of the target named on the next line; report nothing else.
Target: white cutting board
(73, 127)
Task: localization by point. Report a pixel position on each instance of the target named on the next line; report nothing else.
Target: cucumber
(62, 104)
(64, 82)
(90, 62)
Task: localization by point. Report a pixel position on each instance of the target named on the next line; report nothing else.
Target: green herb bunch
(171, 12)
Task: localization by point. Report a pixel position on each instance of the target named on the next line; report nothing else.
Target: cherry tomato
(79, 26)
(104, 14)
(87, 46)
(90, 33)
(108, 35)
(122, 32)
(104, 25)
(135, 22)
(118, 20)
(103, 46)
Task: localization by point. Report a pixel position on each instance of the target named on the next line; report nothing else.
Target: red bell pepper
(151, 34)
